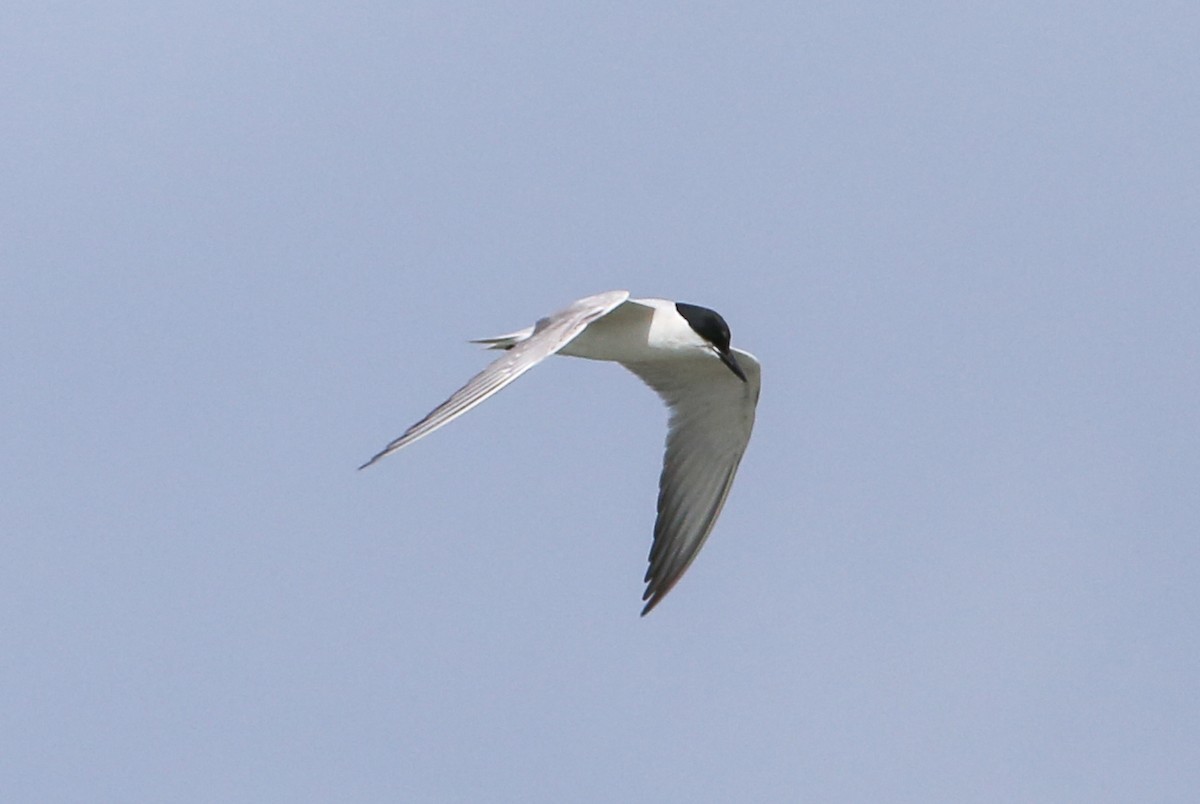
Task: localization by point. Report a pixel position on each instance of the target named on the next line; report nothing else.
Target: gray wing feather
(549, 335)
(712, 416)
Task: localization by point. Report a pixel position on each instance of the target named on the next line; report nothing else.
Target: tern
(681, 351)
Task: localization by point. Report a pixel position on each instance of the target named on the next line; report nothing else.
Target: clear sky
(242, 246)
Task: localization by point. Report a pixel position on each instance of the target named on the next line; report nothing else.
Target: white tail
(505, 341)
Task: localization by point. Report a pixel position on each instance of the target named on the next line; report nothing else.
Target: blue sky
(244, 246)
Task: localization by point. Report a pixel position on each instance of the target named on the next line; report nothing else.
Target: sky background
(242, 246)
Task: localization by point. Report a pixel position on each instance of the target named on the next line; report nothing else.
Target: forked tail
(505, 341)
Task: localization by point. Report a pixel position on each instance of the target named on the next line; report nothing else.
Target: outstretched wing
(712, 415)
(549, 335)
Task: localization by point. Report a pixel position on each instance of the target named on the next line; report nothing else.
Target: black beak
(728, 359)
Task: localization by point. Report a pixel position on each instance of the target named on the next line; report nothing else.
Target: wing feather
(711, 418)
(549, 336)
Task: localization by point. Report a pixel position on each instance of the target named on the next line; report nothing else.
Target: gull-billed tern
(680, 350)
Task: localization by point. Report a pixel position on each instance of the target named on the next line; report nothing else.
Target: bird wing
(711, 417)
(549, 335)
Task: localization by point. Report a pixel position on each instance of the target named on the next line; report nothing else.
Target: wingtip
(652, 600)
(374, 459)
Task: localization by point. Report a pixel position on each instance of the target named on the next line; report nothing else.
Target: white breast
(637, 331)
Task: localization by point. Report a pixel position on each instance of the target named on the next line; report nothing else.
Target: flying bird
(681, 351)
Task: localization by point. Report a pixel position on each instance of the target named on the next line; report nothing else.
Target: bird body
(680, 350)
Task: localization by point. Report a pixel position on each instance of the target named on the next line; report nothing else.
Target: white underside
(637, 331)
(712, 410)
